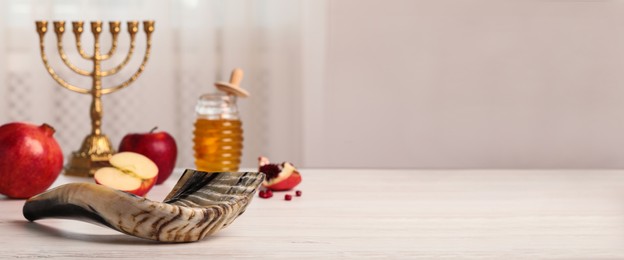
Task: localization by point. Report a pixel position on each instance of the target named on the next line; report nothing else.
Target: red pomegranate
(30, 159)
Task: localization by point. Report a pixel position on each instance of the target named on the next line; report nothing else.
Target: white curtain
(195, 44)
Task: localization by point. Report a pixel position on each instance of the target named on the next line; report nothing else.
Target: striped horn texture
(200, 204)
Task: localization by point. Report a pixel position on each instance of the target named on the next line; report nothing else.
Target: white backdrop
(195, 44)
(354, 83)
(473, 84)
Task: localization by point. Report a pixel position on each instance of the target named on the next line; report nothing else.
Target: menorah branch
(135, 76)
(77, 28)
(115, 28)
(125, 61)
(148, 26)
(80, 50)
(59, 44)
(68, 63)
(59, 29)
(42, 28)
(112, 50)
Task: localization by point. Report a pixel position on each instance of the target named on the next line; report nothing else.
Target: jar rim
(217, 106)
(218, 95)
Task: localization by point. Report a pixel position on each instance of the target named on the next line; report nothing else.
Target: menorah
(96, 148)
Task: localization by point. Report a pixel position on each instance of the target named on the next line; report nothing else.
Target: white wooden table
(457, 214)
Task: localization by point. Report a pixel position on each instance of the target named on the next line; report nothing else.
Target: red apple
(30, 159)
(279, 177)
(160, 147)
(131, 172)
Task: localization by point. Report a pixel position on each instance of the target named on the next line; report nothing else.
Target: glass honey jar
(218, 135)
(218, 132)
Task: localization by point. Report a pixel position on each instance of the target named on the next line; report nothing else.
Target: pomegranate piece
(270, 170)
(279, 177)
(288, 197)
(298, 193)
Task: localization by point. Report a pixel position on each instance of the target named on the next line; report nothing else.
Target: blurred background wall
(346, 83)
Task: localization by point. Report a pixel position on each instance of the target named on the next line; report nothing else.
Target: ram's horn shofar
(200, 204)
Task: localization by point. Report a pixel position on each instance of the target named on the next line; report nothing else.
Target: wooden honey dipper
(233, 87)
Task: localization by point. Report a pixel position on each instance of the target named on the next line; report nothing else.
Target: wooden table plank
(469, 214)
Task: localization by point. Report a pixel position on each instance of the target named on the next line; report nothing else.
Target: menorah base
(83, 166)
(95, 152)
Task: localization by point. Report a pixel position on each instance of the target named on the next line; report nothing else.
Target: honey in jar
(218, 134)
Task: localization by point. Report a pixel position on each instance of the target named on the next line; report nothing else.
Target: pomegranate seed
(265, 194)
(288, 197)
(298, 193)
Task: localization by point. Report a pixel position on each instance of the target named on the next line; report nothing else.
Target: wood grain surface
(454, 214)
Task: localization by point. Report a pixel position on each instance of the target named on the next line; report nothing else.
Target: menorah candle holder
(96, 148)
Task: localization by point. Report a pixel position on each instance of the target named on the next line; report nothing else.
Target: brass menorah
(96, 149)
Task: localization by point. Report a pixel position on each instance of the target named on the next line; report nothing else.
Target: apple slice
(160, 147)
(279, 177)
(131, 172)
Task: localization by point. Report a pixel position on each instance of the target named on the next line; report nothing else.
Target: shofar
(200, 204)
